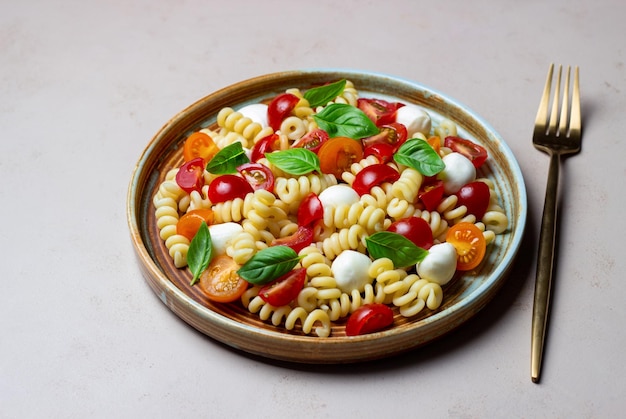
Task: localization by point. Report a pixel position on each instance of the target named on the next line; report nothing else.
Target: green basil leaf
(200, 252)
(419, 155)
(402, 251)
(342, 120)
(321, 95)
(227, 159)
(268, 264)
(295, 161)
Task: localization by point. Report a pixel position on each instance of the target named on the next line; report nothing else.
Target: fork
(557, 134)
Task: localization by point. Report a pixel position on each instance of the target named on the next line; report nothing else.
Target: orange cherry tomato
(189, 223)
(469, 243)
(435, 143)
(220, 281)
(199, 144)
(337, 154)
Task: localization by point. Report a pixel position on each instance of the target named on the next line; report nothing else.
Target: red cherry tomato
(258, 175)
(379, 111)
(476, 153)
(228, 187)
(310, 210)
(264, 145)
(374, 175)
(312, 140)
(369, 318)
(415, 229)
(475, 196)
(337, 155)
(383, 151)
(285, 289)
(394, 134)
(298, 240)
(279, 108)
(431, 195)
(190, 176)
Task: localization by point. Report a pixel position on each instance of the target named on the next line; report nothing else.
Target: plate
(232, 324)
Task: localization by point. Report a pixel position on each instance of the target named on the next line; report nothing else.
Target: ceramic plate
(232, 324)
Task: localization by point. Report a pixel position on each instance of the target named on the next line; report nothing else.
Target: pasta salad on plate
(322, 206)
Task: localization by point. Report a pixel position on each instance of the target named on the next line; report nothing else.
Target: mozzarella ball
(459, 171)
(414, 119)
(336, 195)
(439, 265)
(350, 271)
(257, 112)
(222, 235)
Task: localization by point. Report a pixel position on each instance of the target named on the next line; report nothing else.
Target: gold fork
(557, 134)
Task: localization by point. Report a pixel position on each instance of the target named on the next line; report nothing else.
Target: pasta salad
(320, 207)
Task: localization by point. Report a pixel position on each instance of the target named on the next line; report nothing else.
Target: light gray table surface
(84, 86)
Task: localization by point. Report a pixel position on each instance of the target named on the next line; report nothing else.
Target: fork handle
(545, 259)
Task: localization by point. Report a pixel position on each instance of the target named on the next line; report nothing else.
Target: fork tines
(556, 123)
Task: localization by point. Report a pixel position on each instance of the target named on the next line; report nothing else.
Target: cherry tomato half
(415, 229)
(394, 134)
(383, 151)
(337, 155)
(199, 144)
(475, 196)
(279, 108)
(379, 111)
(476, 153)
(469, 243)
(190, 176)
(285, 289)
(431, 195)
(264, 145)
(374, 175)
(228, 187)
(220, 281)
(369, 318)
(312, 140)
(258, 175)
(298, 240)
(310, 210)
(189, 223)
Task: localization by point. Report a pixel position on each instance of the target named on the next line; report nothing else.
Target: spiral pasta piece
(242, 247)
(293, 127)
(290, 316)
(293, 190)
(347, 238)
(399, 208)
(345, 215)
(166, 212)
(346, 303)
(408, 185)
(233, 121)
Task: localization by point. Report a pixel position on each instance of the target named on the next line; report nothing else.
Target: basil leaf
(200, 252)
(321, 95)
(295, 161)
(227, 160)
(268, 264)
(342, 120)
(402, 251)
(419, 155)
